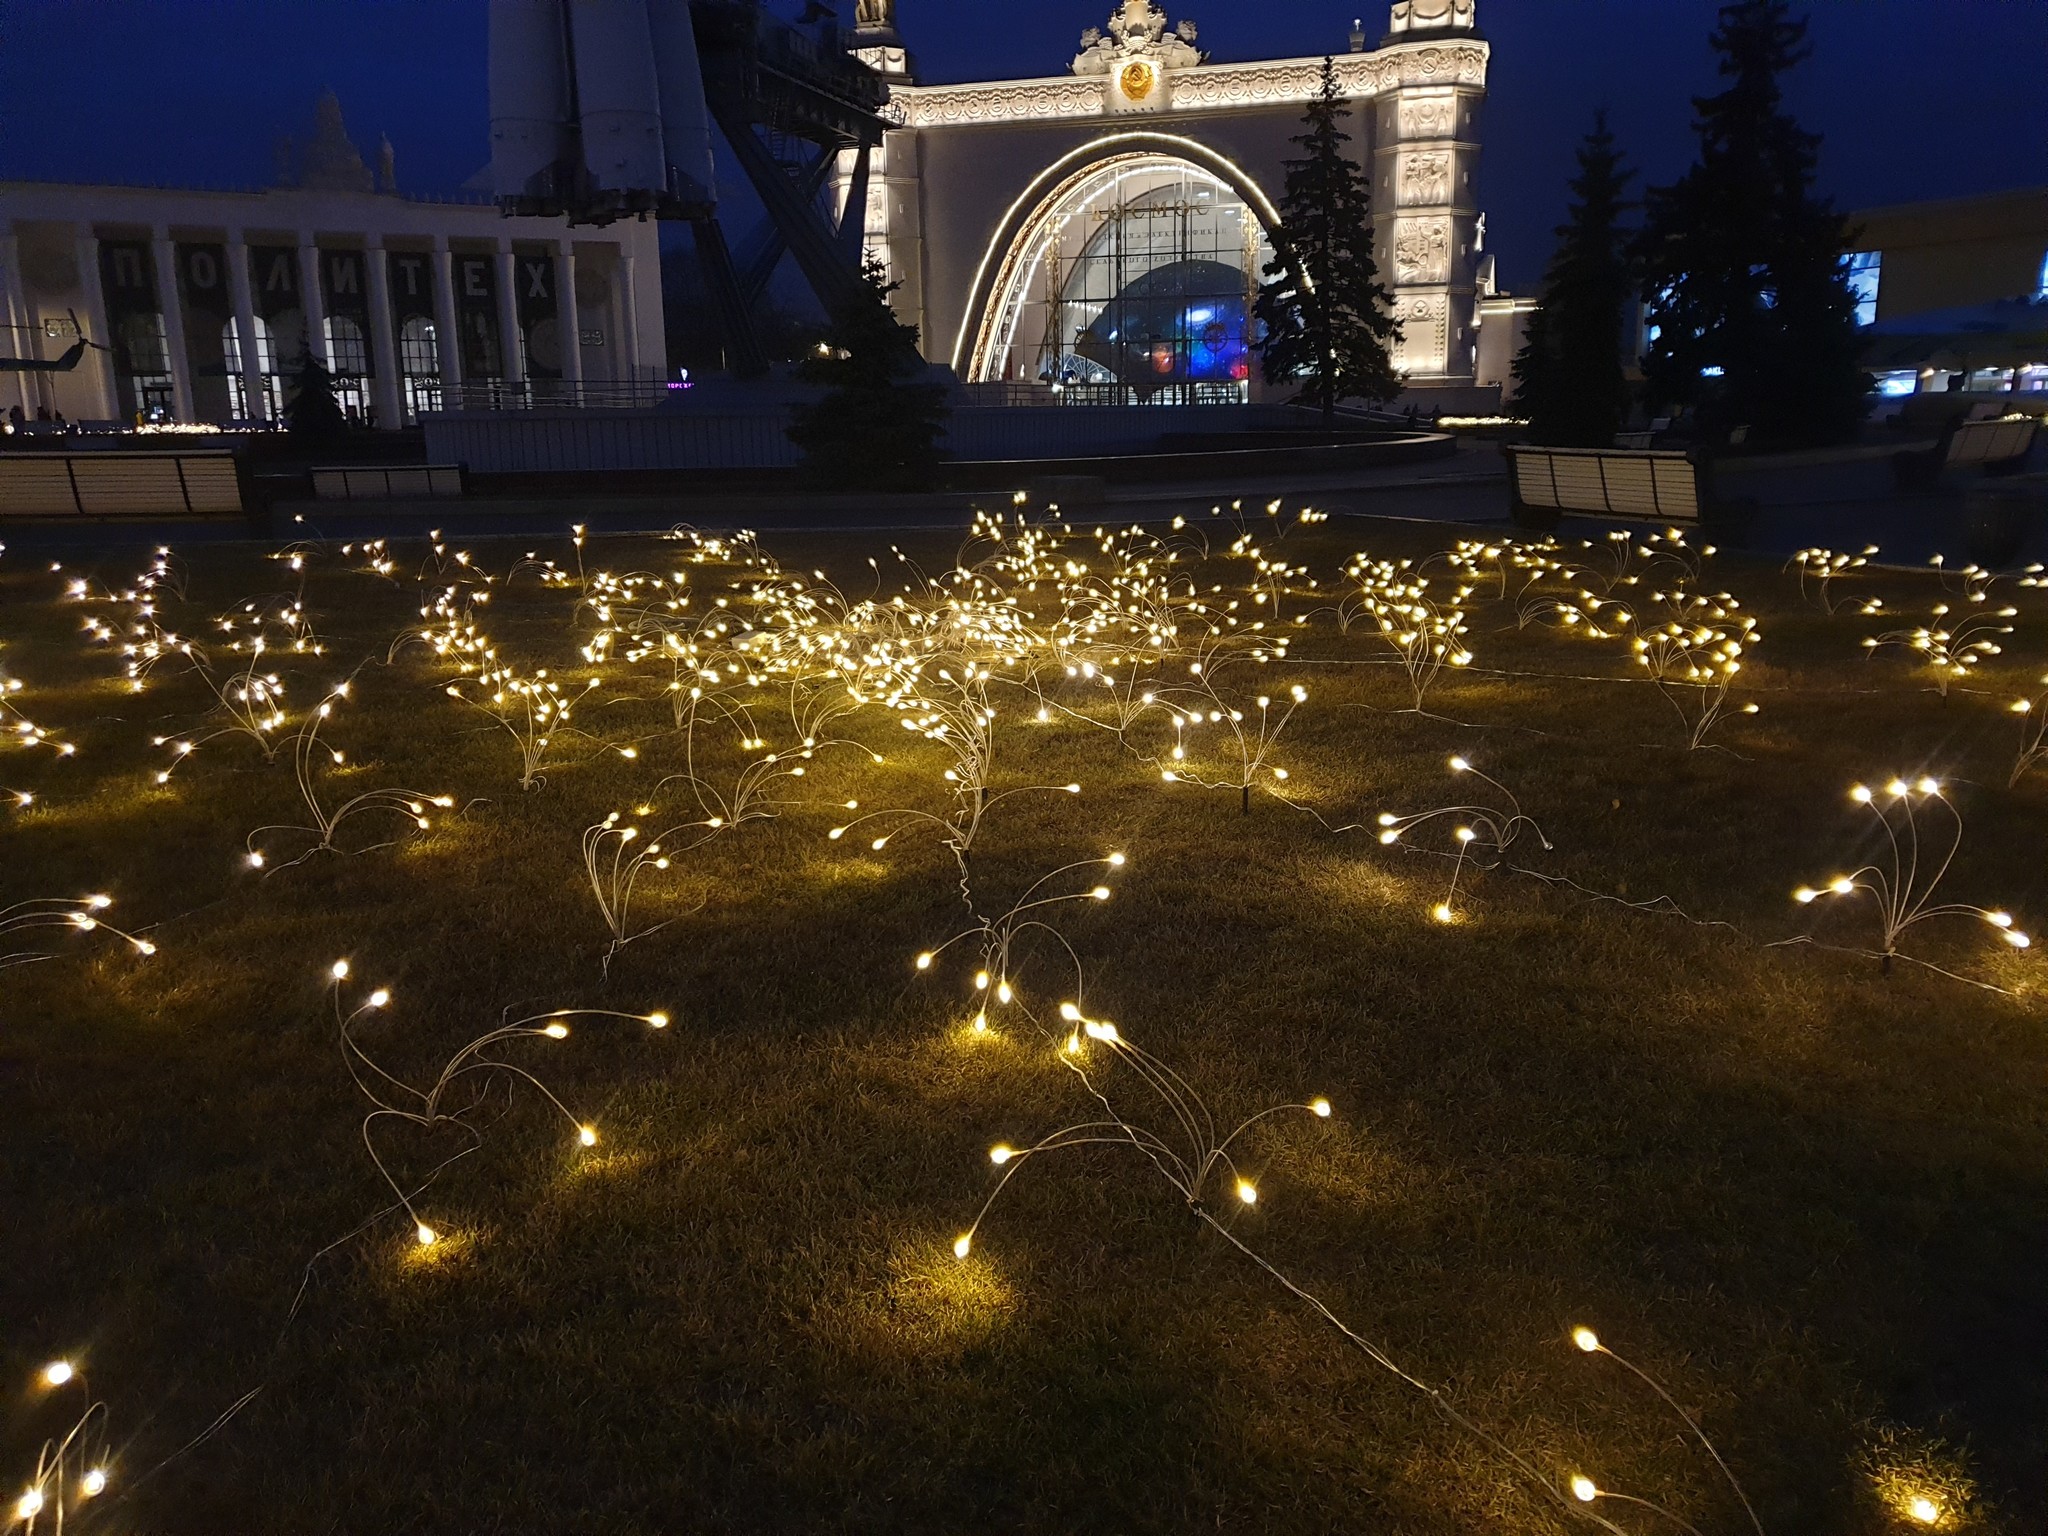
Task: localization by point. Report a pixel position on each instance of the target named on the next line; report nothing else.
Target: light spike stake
(1904, 885)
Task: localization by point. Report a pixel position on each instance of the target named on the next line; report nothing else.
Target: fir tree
(1571, 383)
(1743, 262)
(877, 427)
(314, 416)
(1327, 317)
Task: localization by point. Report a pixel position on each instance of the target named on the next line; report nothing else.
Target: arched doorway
(1128, 279)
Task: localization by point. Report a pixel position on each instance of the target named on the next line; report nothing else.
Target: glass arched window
(266, 365)
(419, 366)
(347, 356)
(1133, 284)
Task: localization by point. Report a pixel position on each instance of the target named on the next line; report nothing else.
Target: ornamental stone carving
(1425, 331)
(1432, 15)
(1422, 250)
(1425, 181)
(1359, 76)
(1137, 32)
(1428, 117)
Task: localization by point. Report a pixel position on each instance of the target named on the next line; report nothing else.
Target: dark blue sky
(1916, 98)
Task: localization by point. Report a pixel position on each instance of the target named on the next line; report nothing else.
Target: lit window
(1864, 270)
(2041, 287)
(345, 350)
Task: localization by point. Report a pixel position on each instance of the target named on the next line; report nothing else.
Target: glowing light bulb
(56, 1373)
(1842, 885)
(1246, 1192)
(1070, 1013)
(29, 1505)
(1116, 861)
(1584, 1490)
(658, 1020)
(1459, 765)
(962, 1245)
(93, 1484)
(426, 1234)
(924, 961)
(1000, 1154)
(379, 998)
(1320, 1108)
(1860, 795)
(255, 861)
(1924, 1510)
(556, 1031)
(587, 1136)
(1443, 913)
(1586, 1339)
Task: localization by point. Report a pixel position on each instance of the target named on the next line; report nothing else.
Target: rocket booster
(685, 119)
(606, 94)
(618, 94)
(531, 101)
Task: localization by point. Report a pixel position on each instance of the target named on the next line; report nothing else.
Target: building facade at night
(206, 302)
(1103, 229)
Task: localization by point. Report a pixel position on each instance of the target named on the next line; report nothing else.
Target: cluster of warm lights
(459, 1098)
(73, 1468)
(1903, 886)
(1952, 645)
(85, 915)
(1818, 571)
(1478, 830)
(1126, 629)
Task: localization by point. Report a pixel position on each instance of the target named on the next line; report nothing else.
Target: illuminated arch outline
(1049, 188)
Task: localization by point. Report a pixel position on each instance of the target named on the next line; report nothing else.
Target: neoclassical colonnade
(409, 303)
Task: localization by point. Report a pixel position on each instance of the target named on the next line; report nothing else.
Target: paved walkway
(1840, 499)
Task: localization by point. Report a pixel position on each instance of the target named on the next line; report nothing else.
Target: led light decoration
(1480, 830)
(1818, 571)
(1903, 887)
(463, 1098)
(407, 805)
(72, 1469)
(85, 915)
(1951, 645)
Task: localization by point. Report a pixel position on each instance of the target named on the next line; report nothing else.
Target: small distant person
(15, 417)
(62, 424)
(43, 414)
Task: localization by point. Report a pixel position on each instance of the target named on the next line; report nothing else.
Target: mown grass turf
(1810, 1198)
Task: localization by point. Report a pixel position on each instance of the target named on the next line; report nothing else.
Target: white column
(383, 336)
(513, 367)
(98, 365)
(629, 288)
(15, 312)
(450, 339)
(170, 302)
(255, 386)
(312, 298)
(567, 320)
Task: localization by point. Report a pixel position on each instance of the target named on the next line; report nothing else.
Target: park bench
(119, 484)
(397, 482)
(1995, 447)
(1631, 484)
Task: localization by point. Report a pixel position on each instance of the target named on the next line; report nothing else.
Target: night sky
(1916, 98)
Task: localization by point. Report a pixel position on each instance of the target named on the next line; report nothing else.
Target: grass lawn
(1809, 1198)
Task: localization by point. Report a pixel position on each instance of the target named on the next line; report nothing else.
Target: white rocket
(611, 89)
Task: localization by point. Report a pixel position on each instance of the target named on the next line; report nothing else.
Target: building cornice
(1206, 88)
